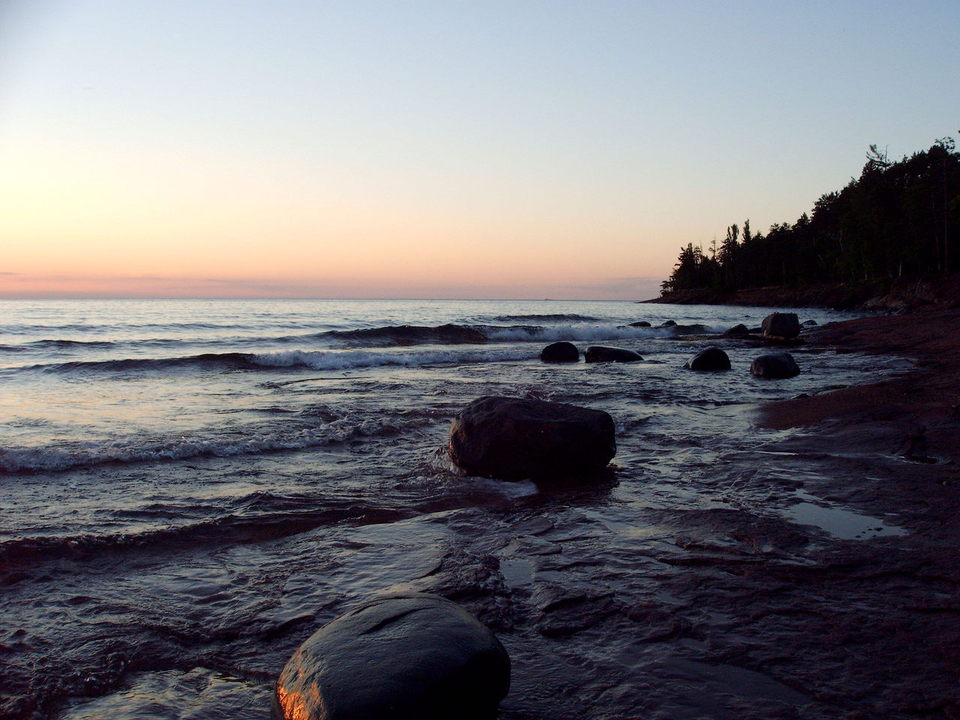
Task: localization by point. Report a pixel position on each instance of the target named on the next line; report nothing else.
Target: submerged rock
(599, 353)
(740, 329)
(640, 323)
(560, 352)
(513, 439)
(404, 656)
(711, 358)
(668, 323)
(781, 325)
(775, 366)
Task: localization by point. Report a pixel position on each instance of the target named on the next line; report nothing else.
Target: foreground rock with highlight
(515, 439)
(403, 656)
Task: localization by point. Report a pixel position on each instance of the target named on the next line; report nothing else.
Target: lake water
(188, 489)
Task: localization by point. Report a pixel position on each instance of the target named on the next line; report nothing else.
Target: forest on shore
(898, 219)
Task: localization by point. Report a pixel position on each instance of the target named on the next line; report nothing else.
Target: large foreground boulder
(405, 656)
(711, 358)
(781, 325)
(599, 353)
(560, 352)
(514, 439)
(775, 366)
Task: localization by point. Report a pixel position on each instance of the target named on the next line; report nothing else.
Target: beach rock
(599, 353)
(640, 323)
(513, 439)
(696, 329)
(711, 358)
(560, 352)
(781, 325)
(668, 323)
(809, 323)
(403, 656)
(775, 366)
(740, 329)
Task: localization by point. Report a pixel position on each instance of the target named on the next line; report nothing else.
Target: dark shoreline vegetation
(888, 240)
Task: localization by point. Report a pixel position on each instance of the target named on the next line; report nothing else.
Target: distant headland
(888, 240)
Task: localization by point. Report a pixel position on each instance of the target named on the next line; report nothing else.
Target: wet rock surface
(600, 353)
(781, 325)
(775, 366)
(710, 359)
(513, 438)
(560, 352)
(403, 656)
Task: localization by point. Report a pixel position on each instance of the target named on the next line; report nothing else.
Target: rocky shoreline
(900, 295)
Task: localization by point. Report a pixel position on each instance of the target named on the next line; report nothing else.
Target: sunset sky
(191, 148)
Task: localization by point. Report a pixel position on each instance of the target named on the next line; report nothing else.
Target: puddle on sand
(841, 523)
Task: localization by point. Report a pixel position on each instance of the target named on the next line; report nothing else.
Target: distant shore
(889, 295)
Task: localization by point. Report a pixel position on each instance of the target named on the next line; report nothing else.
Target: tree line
(897, 219)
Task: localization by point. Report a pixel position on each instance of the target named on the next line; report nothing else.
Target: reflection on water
(839, 522)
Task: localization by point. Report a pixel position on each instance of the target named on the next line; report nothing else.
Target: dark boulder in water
(781, 325)
(695, 329)
(640, 323)
(711, 358)
(599, 353)
(560, 352)
(514, 439)
(740, 329)
(668, 323)
(809, 323)
(404, 656)
(775, 366)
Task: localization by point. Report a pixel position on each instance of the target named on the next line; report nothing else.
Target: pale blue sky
(438, 148)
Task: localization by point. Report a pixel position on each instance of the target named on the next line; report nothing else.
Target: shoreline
(901, 295)
(887, 450)
(902, 434)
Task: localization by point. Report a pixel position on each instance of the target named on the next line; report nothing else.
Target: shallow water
(188, 489)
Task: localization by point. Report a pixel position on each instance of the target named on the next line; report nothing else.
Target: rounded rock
(560, 352)
(781, 325)
(403, 656)
(775, 366)
(710, 359)
(599, 353)
(515, 439)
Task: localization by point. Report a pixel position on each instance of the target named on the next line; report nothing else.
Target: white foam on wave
(349, 359)
(131, 450)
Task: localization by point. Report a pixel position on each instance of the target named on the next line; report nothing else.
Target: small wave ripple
(269, 519)
(32, 460)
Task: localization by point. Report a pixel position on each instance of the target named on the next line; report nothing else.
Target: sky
(521, 149)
